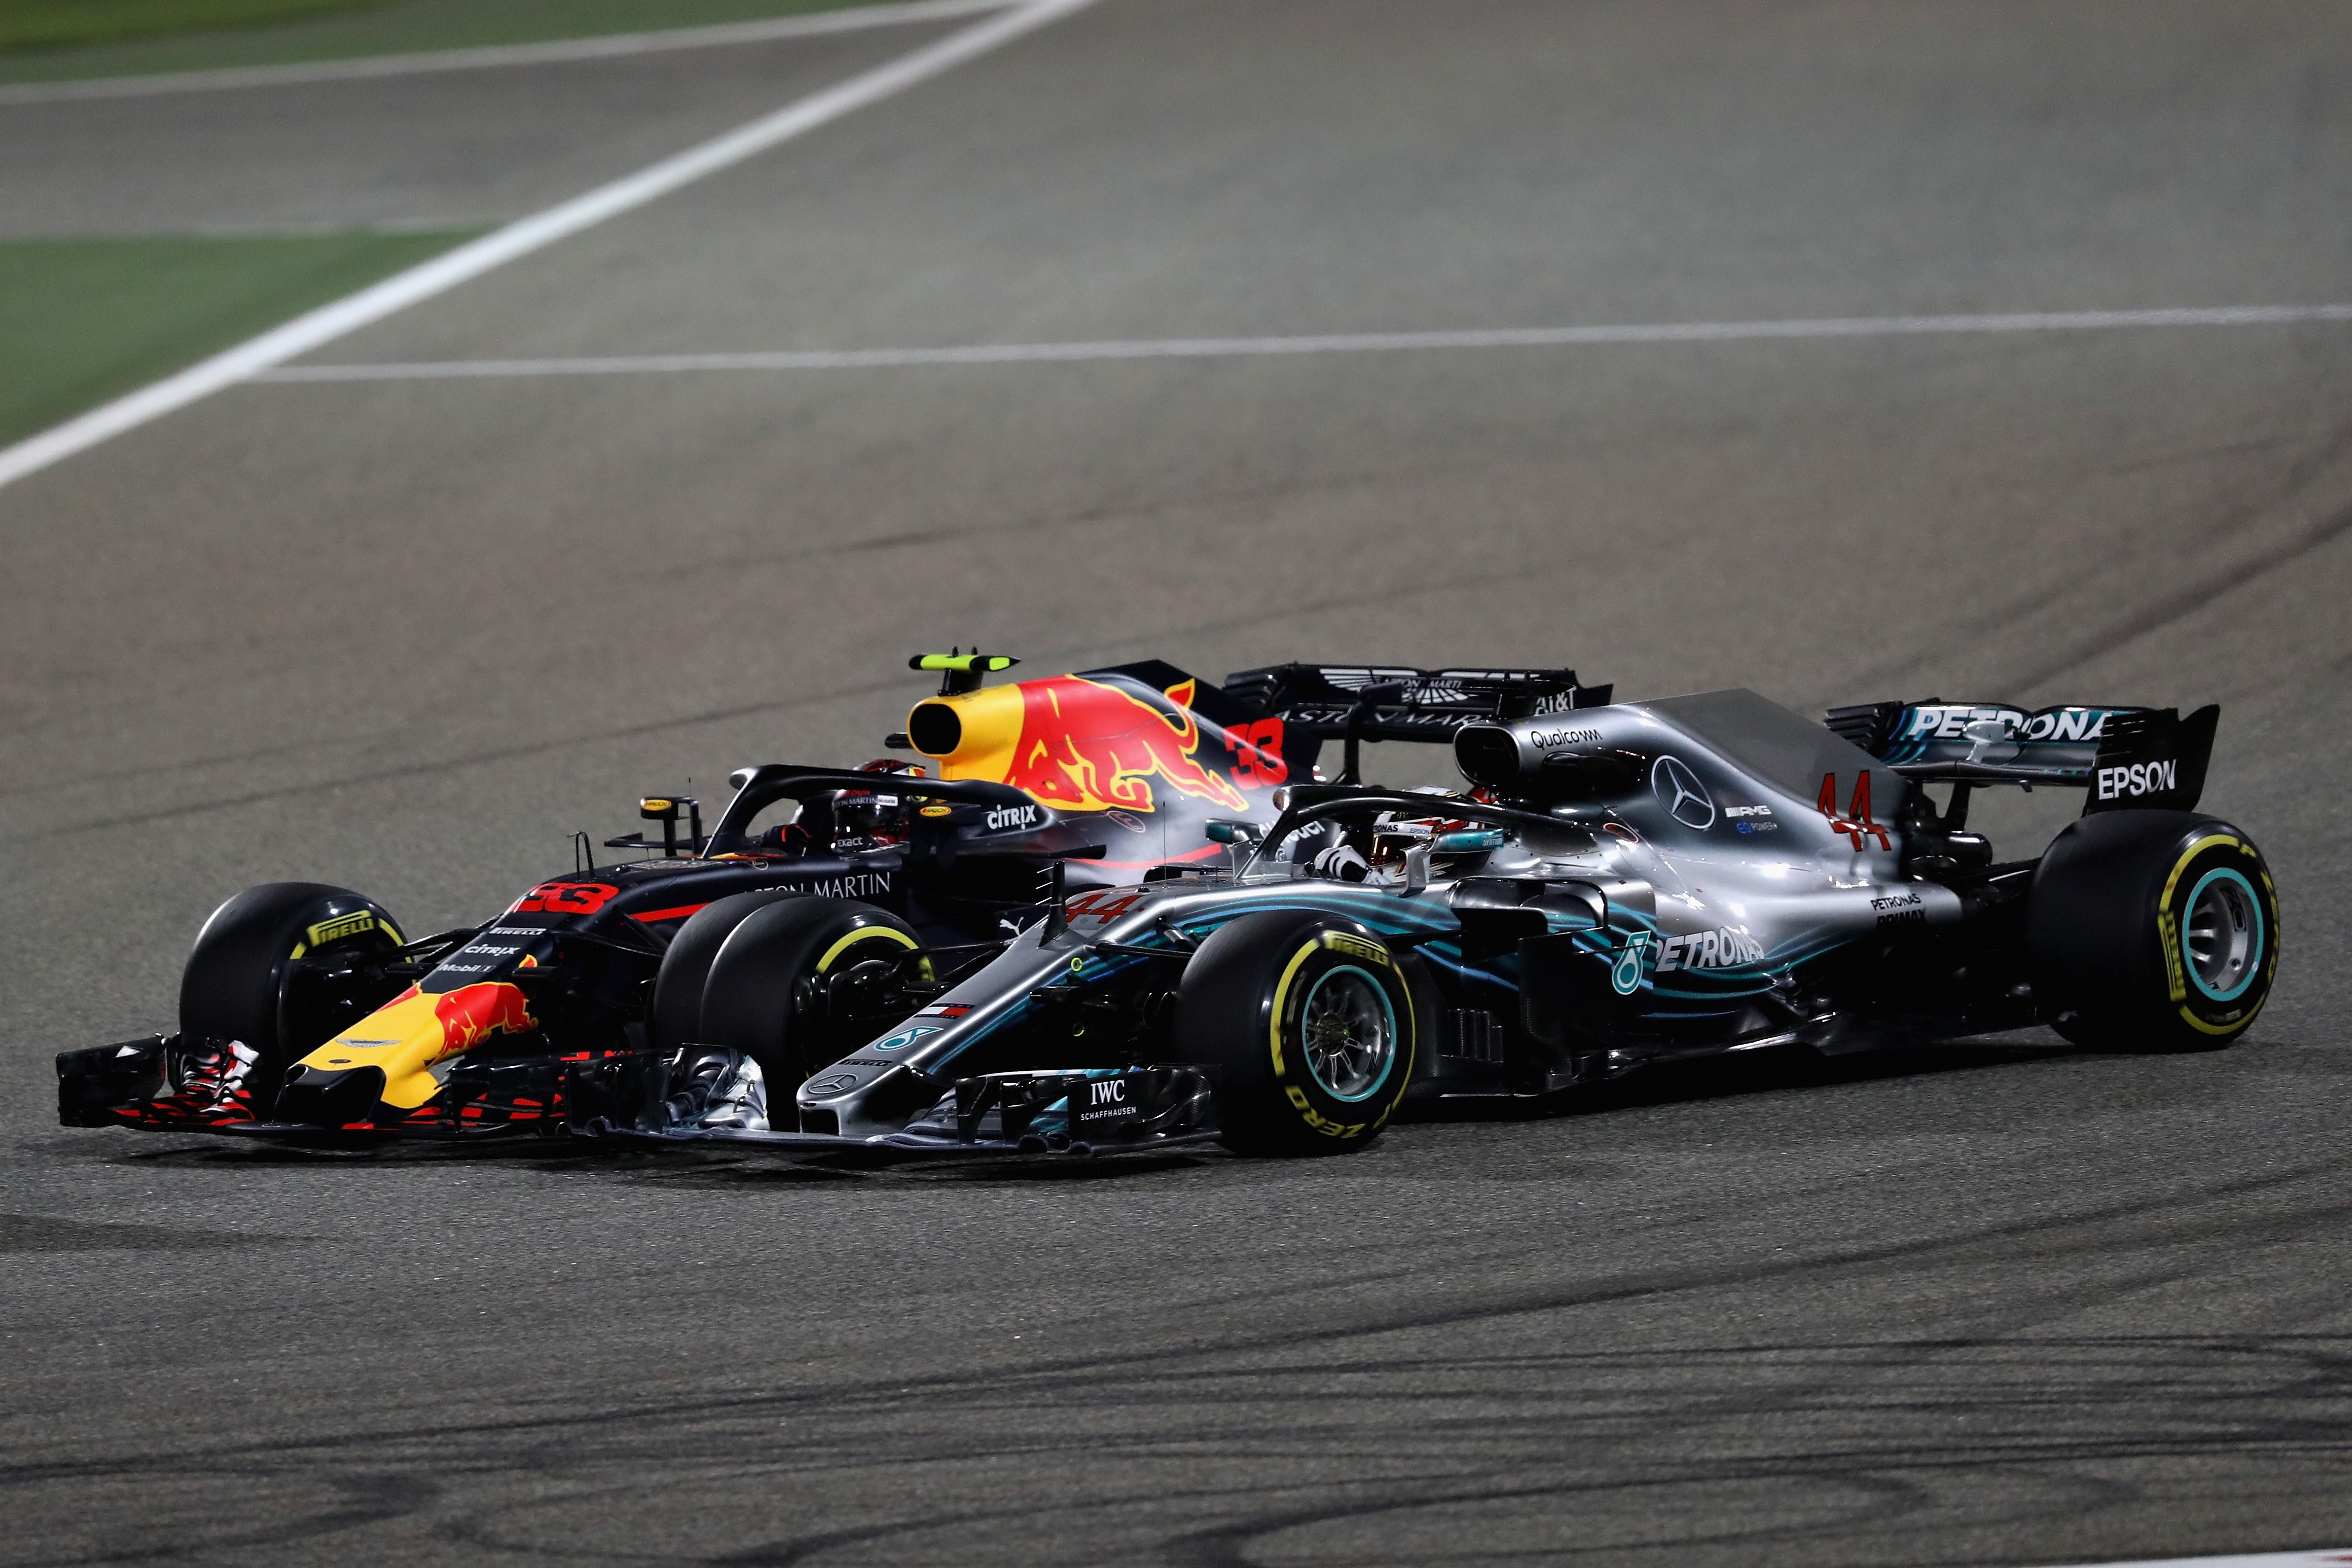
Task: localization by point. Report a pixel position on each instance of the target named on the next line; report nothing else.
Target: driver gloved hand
(1342, 862)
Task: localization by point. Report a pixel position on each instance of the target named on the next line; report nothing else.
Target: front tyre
(2152, 930)
(1314, 1024)
(238, 985)
(804, 982)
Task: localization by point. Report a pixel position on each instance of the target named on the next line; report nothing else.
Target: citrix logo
(1003, 816)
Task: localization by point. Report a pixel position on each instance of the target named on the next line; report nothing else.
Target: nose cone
(326, 1097)
(971, 735)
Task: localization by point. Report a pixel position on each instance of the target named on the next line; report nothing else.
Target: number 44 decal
(1856, 823)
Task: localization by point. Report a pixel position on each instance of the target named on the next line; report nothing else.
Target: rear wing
(1356, 702)
(2122, 757)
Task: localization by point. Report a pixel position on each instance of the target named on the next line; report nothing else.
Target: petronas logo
(1625, 974)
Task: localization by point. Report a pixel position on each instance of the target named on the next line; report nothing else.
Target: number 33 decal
(1257, 752)
(567, 898)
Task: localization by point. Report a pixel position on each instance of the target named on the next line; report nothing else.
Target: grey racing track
(1999, 1304)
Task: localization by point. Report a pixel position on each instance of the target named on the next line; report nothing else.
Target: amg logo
(1003, 816)
(2139, 778)
(1709, 949)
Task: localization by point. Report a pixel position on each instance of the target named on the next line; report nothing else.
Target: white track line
(2333, 1558)
(1355, 342)
(611, 45)
(520, 239)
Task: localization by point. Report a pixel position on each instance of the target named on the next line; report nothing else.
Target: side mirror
(1221, 832)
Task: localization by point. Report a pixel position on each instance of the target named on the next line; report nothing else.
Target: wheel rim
(2222, 936)
(1348, 1033)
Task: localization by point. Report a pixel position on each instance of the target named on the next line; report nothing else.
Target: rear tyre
(1313, 1025)
(234, 985)
(789, 988)
(675, 1018)
(2152, 930)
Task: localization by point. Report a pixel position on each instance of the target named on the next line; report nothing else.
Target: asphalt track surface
(2007, 1304)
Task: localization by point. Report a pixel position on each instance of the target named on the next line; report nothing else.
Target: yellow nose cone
(971, 736)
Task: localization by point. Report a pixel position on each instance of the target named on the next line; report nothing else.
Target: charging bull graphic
(1076, 744)
(472, 1014)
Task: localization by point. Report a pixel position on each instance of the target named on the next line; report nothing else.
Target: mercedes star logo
(1679, 791)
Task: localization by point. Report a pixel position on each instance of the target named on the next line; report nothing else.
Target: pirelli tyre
(2152, 930)
(802, 982)
(1312, 1024)
(242, 983)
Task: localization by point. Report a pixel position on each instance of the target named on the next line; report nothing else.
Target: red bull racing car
(823, 908)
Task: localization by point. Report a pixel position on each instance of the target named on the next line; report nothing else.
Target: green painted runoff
(52, 40)
(82, 320)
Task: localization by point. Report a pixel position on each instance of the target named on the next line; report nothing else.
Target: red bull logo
(1085, 746)
(472, 1014)
(1079, 745)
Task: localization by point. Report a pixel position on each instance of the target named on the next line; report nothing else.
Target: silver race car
(1620, 884)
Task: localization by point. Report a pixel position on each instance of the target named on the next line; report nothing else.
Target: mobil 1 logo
(1104, 1107)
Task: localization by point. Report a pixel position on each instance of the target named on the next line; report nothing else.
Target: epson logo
(1003, 816)
(2139, 778)
(1547, 740)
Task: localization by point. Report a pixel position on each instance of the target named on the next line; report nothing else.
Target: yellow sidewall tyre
(2152, 930)
(1313, 1027)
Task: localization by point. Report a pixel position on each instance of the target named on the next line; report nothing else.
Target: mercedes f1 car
(1624, 884)
(822, 909)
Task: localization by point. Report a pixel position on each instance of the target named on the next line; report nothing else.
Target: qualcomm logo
(1679, 791)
